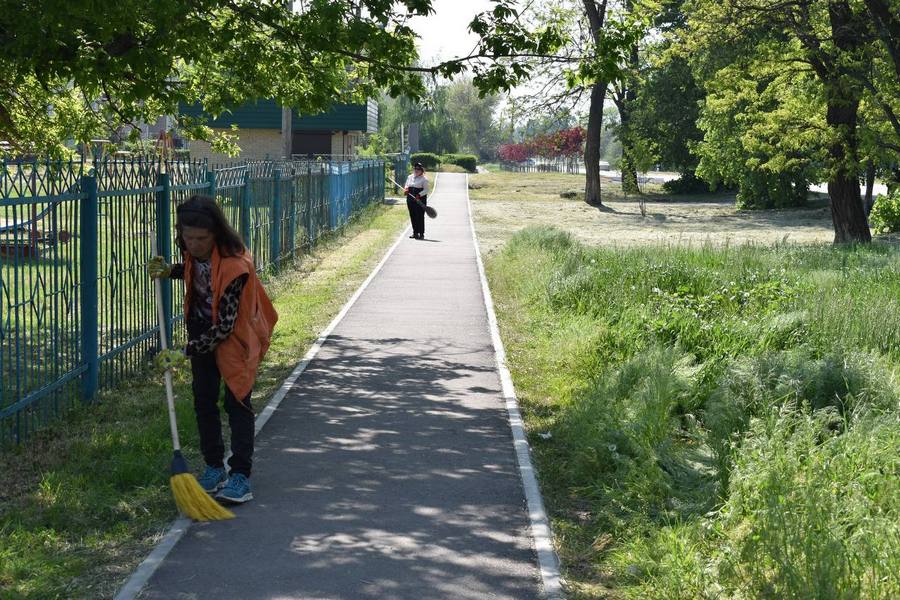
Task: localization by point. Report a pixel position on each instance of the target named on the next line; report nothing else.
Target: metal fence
(571, 166)
(76, 305)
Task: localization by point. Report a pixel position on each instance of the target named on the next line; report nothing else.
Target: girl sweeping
(229, 320)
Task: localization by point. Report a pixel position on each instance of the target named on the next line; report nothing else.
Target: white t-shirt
(418, 181)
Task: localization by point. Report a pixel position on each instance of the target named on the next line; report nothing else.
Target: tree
(435, 131)
(666, 107)
(834, 52)
(594, 54)
(135, 60)
(472, 117)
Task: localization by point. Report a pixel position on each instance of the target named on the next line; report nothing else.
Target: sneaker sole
(231, 500)
(218, 487)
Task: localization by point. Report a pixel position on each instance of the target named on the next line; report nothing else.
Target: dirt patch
(711, 219)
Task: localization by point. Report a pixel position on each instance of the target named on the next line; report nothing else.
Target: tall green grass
(723, 422)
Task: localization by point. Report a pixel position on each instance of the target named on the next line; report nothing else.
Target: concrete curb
(548, 561)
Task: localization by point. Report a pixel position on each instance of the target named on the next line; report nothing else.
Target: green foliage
(430, 161)
(432, 115)
(666, 109)
(759, 190)
(469, 162)
(781, 103)
(813, 508)
(133, 61)
(885, 215)
(471, 115)
(688, 183)
(723, 422)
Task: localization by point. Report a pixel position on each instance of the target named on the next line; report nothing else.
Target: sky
(445, 34)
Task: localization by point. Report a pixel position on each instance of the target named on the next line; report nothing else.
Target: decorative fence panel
(76, 305)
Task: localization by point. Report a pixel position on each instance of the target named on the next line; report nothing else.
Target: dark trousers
(206, 387)
(417, 215)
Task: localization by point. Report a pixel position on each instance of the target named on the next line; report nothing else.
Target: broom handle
(416, 200)
(161, 317)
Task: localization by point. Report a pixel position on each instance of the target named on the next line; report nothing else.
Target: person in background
(416, 190)
(229, 320)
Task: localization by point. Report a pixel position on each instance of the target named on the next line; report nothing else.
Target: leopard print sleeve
(227, 315)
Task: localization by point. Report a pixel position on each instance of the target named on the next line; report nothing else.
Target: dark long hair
(203, 212)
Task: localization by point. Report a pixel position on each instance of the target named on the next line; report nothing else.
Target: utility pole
(287, 135)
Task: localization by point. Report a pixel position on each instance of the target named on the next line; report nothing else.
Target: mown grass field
(710, 422)
(82, 503)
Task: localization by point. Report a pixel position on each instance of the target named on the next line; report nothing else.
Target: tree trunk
(842, 98)
(628, 165)
(847, 212)
(870, 187)
(592, 146)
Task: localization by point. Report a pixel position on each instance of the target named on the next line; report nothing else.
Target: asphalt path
(388, 469)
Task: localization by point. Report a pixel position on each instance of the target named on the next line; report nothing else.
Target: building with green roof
(337, 131)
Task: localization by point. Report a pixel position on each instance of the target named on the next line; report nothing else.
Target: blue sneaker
(236, 490)
(213, 479)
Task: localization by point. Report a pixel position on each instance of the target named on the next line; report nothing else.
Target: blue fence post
(164, 241)
(309, 205)
(275, 240)
(292, 212)
(245, 212)
(90, 304)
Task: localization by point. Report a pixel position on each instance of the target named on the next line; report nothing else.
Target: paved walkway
(388, 470)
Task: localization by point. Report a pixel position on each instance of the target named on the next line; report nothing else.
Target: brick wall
(254, 143)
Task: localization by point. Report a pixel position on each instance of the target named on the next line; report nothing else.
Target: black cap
(418, 165)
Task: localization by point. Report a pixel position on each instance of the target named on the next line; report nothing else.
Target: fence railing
(76, 305)
(571, 166)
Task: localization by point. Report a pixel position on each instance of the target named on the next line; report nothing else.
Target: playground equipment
(24, 238)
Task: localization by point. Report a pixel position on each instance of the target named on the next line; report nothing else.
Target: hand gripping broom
(192, 501)
(429, 210)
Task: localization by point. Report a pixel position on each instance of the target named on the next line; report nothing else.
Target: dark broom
(190, 498)
(429, 210)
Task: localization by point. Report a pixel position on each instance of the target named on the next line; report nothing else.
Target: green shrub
(469, 162)
(766, 190)
(688, 183)
(429, 161)
(885, 215)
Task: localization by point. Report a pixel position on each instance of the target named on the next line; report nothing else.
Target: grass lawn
(507, 202)
(82, 503)
(708, 420)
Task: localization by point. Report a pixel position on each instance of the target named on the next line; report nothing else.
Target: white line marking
(179, 527)
(548, 561)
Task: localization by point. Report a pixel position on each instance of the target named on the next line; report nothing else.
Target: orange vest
(238, 356)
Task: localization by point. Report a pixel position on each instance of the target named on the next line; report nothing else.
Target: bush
(429, 161)
(766, 190)
(688, 183)
(469, 162)
(885, 215)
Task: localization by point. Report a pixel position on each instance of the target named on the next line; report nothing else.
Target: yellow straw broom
(192, 501)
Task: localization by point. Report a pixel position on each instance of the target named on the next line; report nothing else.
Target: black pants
(417, 215)
(206, 387)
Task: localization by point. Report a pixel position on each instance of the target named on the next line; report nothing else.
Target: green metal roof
(266, 114)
